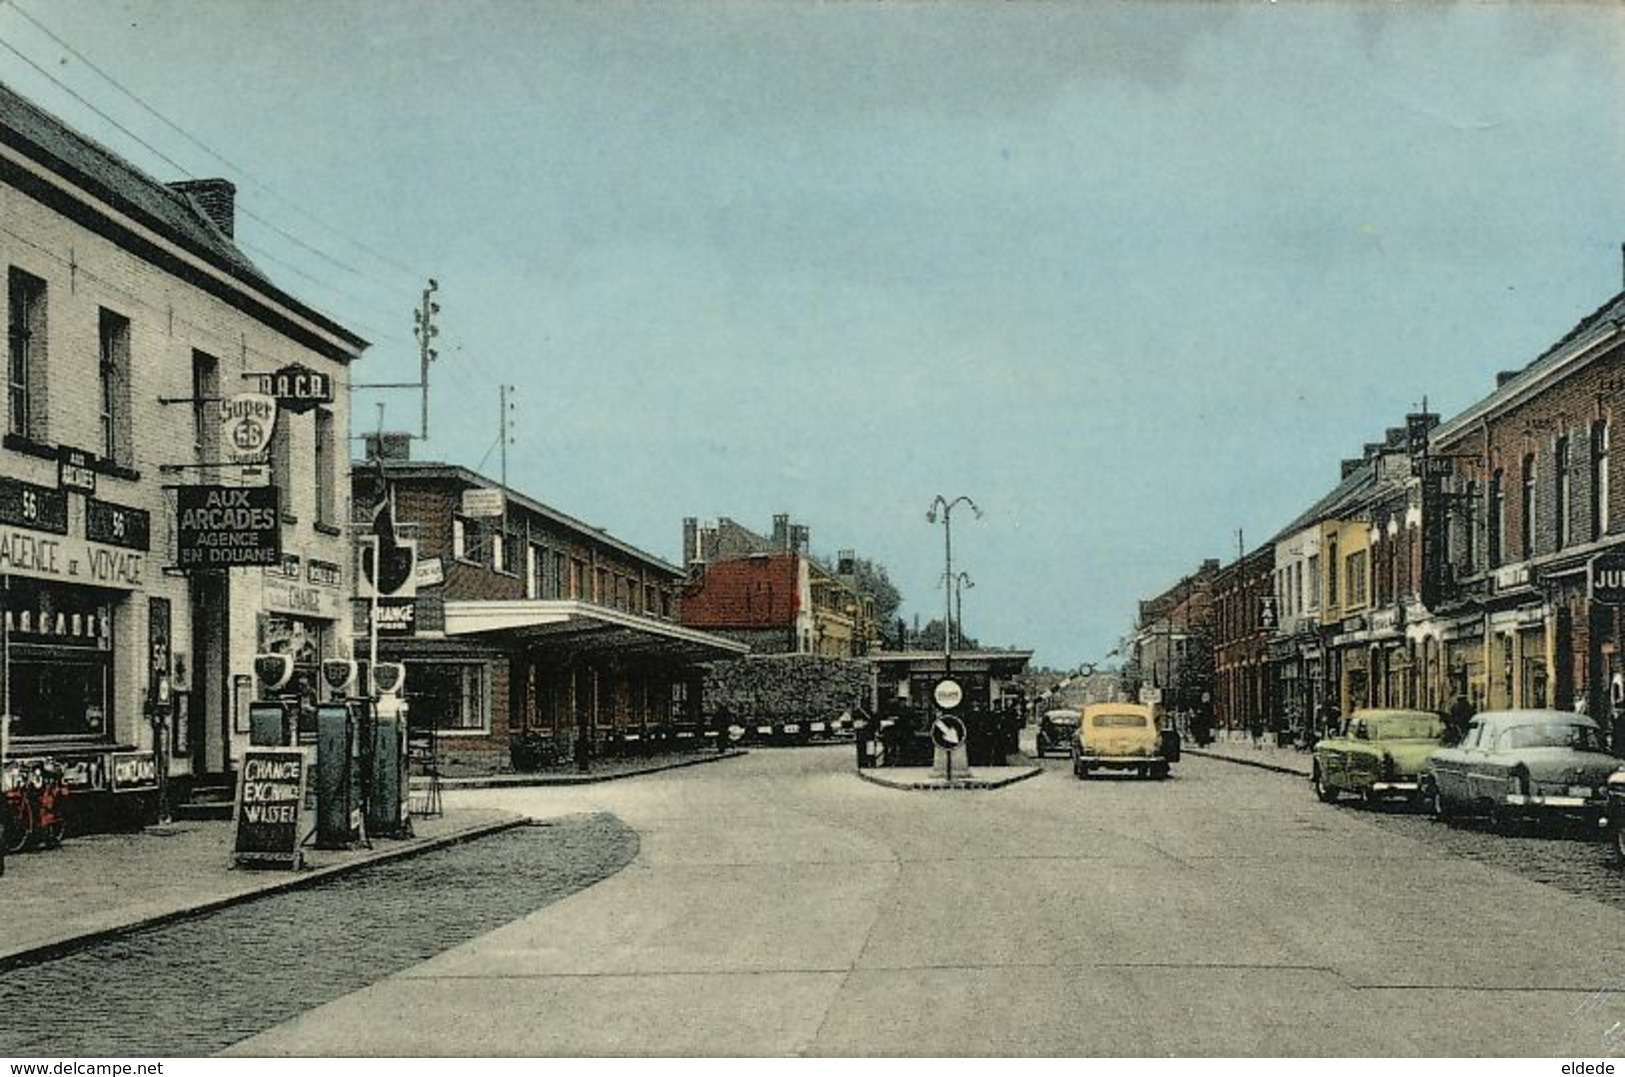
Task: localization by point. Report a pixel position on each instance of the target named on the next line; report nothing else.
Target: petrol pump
(387, 771)
(273, 722)
(339, 720)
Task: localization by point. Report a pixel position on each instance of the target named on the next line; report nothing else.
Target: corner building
(131, 315)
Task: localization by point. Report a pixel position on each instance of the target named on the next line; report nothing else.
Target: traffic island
(932, 778)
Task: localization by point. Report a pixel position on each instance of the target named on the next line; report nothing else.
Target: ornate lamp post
(944, 508)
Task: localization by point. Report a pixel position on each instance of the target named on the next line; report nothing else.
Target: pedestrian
(1456, 721)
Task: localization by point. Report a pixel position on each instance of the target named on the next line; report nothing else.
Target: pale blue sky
(1133, 277)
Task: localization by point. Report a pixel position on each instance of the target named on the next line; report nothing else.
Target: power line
(217, 155)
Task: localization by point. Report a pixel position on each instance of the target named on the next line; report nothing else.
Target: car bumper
(1122, 760)
(1409, 788)
(1555, 803)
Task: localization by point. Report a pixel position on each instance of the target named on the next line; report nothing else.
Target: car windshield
(1406, 727)
(1584, 738)
(1118, 721)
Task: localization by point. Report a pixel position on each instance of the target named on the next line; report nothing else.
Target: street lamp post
(946, 508)
(962, 582)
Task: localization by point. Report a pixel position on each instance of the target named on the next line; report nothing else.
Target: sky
(1134, 278)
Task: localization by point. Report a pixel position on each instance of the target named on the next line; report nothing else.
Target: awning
(581, 628)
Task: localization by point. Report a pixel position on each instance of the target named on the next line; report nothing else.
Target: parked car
(1377, 753)
(1522, 764)
(1055, 730)
(1119, 736)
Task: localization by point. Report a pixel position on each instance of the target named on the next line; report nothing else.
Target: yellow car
(1118, 736)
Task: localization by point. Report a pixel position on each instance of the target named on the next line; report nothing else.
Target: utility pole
(425, 330)
(504, 425)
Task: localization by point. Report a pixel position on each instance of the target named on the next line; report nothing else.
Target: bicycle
(34, 810)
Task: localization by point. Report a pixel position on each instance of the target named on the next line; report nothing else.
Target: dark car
(1055, 732)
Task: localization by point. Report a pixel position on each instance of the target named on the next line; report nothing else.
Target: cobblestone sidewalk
(101, 884)
(1264, 754)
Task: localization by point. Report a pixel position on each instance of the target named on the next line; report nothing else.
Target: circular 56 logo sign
(246, 423)
(948, 694)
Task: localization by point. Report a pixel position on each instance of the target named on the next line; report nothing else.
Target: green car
(1379, 753)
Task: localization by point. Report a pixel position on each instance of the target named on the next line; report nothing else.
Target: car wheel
(1323, 789)
(1160, 772)
(1080, 771)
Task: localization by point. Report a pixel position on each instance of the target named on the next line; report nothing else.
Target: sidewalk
(1264, 754)
(99, 885)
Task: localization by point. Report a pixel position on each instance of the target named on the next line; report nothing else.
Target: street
(780, 906)
(777, 905)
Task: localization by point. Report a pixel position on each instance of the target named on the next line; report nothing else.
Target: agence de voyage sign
(228, 527)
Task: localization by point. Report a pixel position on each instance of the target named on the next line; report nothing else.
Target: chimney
(798, 539)
(781, 531)
(216, 197)
(1351, 466)
(691, 541)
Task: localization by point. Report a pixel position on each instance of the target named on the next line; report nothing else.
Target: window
(114, 373)
(499, 551)
(1496, 524)
(1331, 572)
(281, 460)
(1561, 467)
(1314, 581)
(61, 661)
(459, 538)
(1354, 584)
(1599, 478)
(448, 697)
(1469, 544)
(1526, 526)
(326, 469)
(205, 391)
(25, 370)
(578, 580)
(534, 569)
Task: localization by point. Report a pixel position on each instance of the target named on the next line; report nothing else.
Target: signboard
(948, 694)
(133, 771)
(1606, 578)
(397, 616)
(297, 388)
(482, 502)
(266, 826)
(117, 525)
(246, 423)
(396, 573)
(228, 527)
(22, 504)
(1433, 467)
(74, 471)
(430, 572)
(1150, 696)
(49, 557)
(948, 733)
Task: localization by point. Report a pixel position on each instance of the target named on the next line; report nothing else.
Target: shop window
(303, 639)
(25, 369)
(448, 697)
(60, 665)
(114, 372)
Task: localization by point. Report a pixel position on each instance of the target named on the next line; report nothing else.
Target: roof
(361, 473)
(1345, 491)
(760, 591)
(1525, 717)
(585, 628)
(89, 165)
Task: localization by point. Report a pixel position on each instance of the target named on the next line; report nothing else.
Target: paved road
(779, 906)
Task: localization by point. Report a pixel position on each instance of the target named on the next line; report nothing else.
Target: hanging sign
(227, 527)
(1607, 579)
(246, 423)
(297, 388)
(74, 470)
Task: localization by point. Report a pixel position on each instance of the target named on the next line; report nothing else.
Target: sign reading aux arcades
(228, 527)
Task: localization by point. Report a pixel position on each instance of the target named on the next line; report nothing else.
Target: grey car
(1521, 764)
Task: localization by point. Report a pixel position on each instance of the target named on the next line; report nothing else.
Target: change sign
(270, 807)
(228, 527)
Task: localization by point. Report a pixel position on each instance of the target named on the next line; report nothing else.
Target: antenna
(504, 425)
(425, 330)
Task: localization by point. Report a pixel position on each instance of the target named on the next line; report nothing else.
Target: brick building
(1173, 643)
(771, 593)
(529, 620)
(1244, 618)
(1534, 495)
(131, 317)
